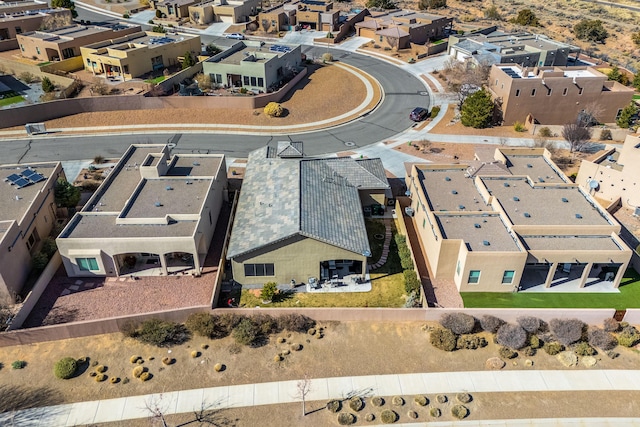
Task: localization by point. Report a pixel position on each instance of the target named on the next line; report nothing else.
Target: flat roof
(571, 243)
(481, 233)
(90, 226)
(536, 167)
(543, 205)
(14, 201)
(195, 165)
(157, 198)
(262, 53)
(449, 189)
(71, 32)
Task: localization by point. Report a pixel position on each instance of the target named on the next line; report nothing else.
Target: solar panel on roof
(32, 175)
(27, 173)
(11, 178)
(21, 182)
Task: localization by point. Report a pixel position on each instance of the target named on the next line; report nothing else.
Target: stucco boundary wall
(217, 287)
(64, 107)
(36, 292)
(402, 229)
(616, 134)
(632, 316)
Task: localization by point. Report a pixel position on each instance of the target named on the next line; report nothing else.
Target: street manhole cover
(423, 93)
(350, 143)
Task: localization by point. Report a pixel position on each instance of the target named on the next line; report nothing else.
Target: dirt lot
(349, 348)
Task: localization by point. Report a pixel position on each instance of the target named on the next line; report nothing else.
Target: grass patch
(12, 100)
(629, 297)
(155, 80)
(636, 97)
(440, 41)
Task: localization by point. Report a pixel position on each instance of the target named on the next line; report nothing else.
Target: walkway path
(385, 246)
(236, 396)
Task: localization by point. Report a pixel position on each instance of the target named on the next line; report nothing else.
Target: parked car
(236, 36)
(419, 114)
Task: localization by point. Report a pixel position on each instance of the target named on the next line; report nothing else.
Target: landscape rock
(589, 361)
(494, 364)
(568, 358)
(528, 363)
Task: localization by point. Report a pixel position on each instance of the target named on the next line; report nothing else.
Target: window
(533, 92)
(246, 80)
(260, 81)
(253, 81)
(22, 48)
(18, 30)
(564, 91)
(474, 277)
(37, 50)
(68, 53)
(424, 222)
(259, 270)
(126, 69)
(458, 268)
(218, 78)
(87, 264)
(89, 61)
(33, 239)
(507, 277)
(517, 92)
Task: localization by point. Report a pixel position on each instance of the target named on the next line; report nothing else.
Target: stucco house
(154, 214)
(299, 218)
(24, 16)
(230, 11)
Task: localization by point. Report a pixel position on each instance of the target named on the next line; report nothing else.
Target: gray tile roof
(289, 149)
(316, 198)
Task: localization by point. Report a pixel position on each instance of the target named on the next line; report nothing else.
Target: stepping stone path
(385, 246)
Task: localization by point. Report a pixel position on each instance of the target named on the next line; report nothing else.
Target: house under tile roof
(316, 198)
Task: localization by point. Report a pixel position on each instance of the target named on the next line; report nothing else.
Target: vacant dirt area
(313, 99)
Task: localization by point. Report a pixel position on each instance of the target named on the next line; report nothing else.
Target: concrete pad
(556, 380)
(460, 381)
(622, 380)
(389, 385)
(135, 407)
(492, 423)
(412, 384)
(288, 391)
(52, 416)
(436, 382)
(83, 413)
(241, 395)
(189, 400)
(532, 381)
(266, 393)
(365, 385)
(595, 381)
(339, 387)
(485, 381)
(319, 389)
(216, 396)
(109, 410)
(510, 382)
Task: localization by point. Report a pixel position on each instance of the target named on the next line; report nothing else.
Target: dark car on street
(419, 114)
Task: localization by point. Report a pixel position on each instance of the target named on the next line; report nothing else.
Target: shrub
(545, 132)
(397, 400)
(311, 331)
(611, 325)
(443, 339)
(65, 368)
(552, 348)
(100, 377)
(47, 85)
(296, 322)
(435, 412)
(628, 337)
(435, 111)
(412, 414)
(605, 135)
(39, 261)
(195, 354)
(377, 401)
(48, 247)
(584, 349)
(101, 368)
(529, 323)
(490, 323)
(327, 57)
(346, 419)
(512, 336)
(441, 398)
(388, 416)
(529, 351)
(602, 339)
(114, 380)
(519, 127)
(138, 370)
(218, 367)
(277, 358)
(459, 411)
(161, 333)
(125, 15)
(334, 406)
(470, 342)
(296, 347)
(356, 403)
(134, 359)
(535, 342)
(269, 290)
(464, 397)
(507, 353)
(168, 361)
(246, 332)
(27, 77)
(567, 331)
(145, 376)
(458, 323)
(421, 400)
(202, 324)
(158, 13)
(273, 109)
(204, 346)
(19, 364)
(411, 281)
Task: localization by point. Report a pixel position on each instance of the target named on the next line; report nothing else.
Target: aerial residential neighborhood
(317, 213)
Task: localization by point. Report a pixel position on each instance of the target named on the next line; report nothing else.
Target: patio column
(585, 274)
(620, 275)
(550, 274)
(163, 265)
(196, 263)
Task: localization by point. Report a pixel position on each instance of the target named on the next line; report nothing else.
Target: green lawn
(13, 100)
(636, 97)
(629, 297)
(155, 80)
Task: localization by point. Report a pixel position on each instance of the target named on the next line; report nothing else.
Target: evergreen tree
(477, 110)
(627, 116)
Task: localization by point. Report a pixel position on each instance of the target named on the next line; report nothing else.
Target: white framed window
(474, 277)
(507, 277)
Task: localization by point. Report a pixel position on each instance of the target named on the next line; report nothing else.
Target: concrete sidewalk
(271, 393)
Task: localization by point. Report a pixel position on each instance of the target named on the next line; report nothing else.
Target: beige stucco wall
(296, 258)
(492, 266)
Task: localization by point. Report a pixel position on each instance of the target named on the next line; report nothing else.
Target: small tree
(618, 76)
(636, 80)
(204, 81)
(477, 110)
(490, 323)
(47, 85)
(635, 38)
(458, 323)
(512, 336)
(381, 4)
(212, 49)
(158, 29)
(567, 331)
(577, 136)
(493, 13)
(66, 4)
(590, 30)
(268, 291)
(188, 60)
(526, 18)
(66, 195)
(432, 4)
(627, 116)
(303, 387)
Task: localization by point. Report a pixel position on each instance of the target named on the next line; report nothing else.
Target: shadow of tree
(16, 398)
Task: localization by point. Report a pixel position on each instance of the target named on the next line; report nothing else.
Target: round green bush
(421, 400)
(459, 411)
(435, 412)
(356, 403)
(334, 406)
(346, 419)
(463, 397)
(443, 339)
(65, 368)
(397, 400)
(552, 348)
(388, 416)
(377, 401)
(18, 364)
(507, 353)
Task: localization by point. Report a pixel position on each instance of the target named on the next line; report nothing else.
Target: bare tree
(590, 114)
(157, 408)
(206, 415)
(303, 387)
(542, 142)
(465, 78)
(577, 136)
